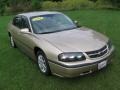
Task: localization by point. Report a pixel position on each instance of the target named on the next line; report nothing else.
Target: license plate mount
(102, 64)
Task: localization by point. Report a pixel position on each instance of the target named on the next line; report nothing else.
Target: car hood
(77, 40)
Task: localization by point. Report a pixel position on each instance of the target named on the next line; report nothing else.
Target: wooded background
(15, 6)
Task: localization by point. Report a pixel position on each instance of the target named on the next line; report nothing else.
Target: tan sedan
(58, 44)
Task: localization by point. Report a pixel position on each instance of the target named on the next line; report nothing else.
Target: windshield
(51, 23)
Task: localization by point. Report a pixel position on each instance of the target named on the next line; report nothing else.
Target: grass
(18, 72)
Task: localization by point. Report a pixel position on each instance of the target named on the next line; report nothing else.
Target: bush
(36, 4)
(67, 5)
(103, 4)
(15, 6)
(2, 7)
(49, 5)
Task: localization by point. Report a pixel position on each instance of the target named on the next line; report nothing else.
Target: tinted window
(17, 22)
(51, 23)
(25, 23)
(21, 22)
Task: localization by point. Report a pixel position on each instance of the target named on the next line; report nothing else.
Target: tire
(43, 63)
(12, 43)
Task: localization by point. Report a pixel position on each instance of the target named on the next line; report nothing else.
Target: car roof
(37, 13)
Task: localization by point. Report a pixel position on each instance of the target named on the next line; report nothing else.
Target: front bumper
(63, 70)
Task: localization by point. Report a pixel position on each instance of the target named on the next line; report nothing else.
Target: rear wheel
(43, 63)
(12, 43)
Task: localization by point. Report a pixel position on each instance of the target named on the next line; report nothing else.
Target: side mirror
(77, 23)
(25, 30)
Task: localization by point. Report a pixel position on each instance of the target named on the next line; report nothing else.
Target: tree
(57, 0)
(16, 5)
(93, 0)
(36, 4)
(116, 2)
(2, 6)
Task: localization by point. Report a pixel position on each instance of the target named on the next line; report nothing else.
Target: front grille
(97, 53)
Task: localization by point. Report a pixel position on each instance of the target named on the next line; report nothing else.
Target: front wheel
(43, 63)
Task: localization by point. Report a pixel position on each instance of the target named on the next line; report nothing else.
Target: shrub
(49, 5)
(15, 6)
(36, 4)
(67, 5)
(2, 7)
(103, 4)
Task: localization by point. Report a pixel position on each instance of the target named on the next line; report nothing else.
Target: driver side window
(17, 22)
(21, 22)
(25, 23)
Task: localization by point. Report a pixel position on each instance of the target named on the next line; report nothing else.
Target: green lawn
(18, 72)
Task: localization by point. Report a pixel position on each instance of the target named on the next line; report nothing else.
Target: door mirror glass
(76, 22)
(25, 30)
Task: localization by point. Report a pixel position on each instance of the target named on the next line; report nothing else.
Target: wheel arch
(36, 49)
(9, 34)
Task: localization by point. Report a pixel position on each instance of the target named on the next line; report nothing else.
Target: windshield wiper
(69, 29)
(46, 32)
(49, 32)
(58, 30)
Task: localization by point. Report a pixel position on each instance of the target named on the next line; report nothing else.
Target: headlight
(109, 44)
(71, 57)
